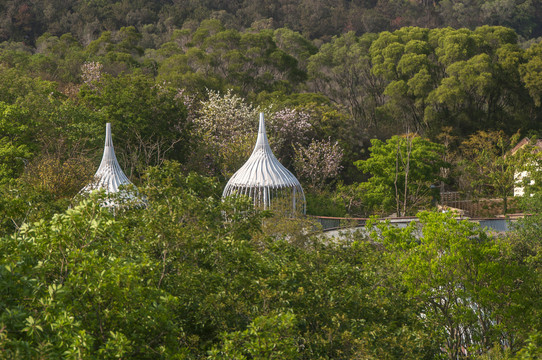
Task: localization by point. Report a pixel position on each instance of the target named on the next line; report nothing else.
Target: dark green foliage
(149, 119)
(466, 282)
(322, 204)
(170, 279)
(316, 19)
(402, 171)
(190, 276)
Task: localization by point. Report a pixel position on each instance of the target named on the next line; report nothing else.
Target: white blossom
(91, 73)
(318, 162)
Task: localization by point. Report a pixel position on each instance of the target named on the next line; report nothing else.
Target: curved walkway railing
(329, 223)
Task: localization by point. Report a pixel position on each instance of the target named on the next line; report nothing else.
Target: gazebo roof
(109, 175)
(263, 168)
(263, 174)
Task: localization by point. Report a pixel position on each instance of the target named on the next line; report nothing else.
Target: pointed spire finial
(261, 141)
(108, 138)
(109, 175)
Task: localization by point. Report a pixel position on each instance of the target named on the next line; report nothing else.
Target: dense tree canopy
(403, 171)
(162, 98)
(191, 276)
(316, 19)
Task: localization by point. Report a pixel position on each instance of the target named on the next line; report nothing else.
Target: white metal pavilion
(109, 175)
(264, 179)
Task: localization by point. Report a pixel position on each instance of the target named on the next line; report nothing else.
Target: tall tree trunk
(407, 170)
(397, 197)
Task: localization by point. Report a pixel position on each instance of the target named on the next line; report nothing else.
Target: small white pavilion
(264, 179)
(109, 175)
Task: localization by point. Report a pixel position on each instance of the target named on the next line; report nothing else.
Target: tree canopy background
(315, 19)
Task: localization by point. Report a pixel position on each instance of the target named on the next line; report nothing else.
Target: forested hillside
(376, 106)
(315, 19)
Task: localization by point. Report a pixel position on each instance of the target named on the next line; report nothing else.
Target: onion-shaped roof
(109, 175)
(263, 177)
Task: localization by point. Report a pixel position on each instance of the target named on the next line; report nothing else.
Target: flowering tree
(318, 162)
(227, 125)
(287, 129)
(91, 73)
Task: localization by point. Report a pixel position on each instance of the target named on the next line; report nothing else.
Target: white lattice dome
(264, 178)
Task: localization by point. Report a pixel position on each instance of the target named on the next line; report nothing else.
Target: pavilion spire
(264, 178)
(109, 175)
